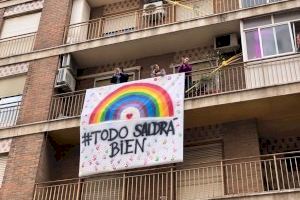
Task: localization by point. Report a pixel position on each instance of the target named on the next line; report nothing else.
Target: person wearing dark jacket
(186, 68)
(119, 76)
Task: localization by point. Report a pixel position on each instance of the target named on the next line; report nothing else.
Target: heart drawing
(129, 115)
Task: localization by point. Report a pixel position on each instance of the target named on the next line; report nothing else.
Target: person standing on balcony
(298, 42)
(186, 68)
(157, 71)
(119, 76)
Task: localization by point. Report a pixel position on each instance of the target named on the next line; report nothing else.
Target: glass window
(283, 38)
(253, 46)
(251, 3)
(268, 41)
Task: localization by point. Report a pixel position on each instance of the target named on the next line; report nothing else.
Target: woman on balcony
(119, 76)
(186, 68)
(157, 71)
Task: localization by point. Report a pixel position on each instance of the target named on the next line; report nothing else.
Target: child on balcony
(119, 76)
(157, 71)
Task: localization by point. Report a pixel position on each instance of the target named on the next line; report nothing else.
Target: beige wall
(12, 86)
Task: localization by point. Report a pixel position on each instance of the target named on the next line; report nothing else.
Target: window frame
(294, 33)
(290, 24)
(262, 4)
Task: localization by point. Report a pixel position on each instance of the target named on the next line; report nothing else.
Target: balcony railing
(149, 18)
(9, 114)
(237, 77)
(226, 178)
(17, 45)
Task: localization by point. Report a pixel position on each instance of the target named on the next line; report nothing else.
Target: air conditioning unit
(67, 61)
(65, 80)
(226, 43)
(154, 9)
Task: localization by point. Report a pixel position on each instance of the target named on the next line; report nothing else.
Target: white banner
(131, 125)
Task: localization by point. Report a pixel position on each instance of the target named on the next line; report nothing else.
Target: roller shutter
(194, 180)
(20, 25)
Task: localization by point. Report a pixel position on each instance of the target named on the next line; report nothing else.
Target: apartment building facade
(241, 138)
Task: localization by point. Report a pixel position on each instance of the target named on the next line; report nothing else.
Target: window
(269, 41)
(252, 3)
(296, 34)
(271, 35)
(253, 45)
(283, 37)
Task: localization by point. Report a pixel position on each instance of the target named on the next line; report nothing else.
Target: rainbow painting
(133, 101)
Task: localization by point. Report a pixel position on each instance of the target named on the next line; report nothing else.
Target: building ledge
(292, 194)
(242, 96)
(8, 3)
(151, 33)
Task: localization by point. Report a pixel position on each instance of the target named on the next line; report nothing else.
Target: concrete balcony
(259, 177)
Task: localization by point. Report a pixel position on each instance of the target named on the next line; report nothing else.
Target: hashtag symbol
(86, 138)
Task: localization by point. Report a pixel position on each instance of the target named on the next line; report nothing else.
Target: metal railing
(203, 82)
(9, 114)
(148, 18)
(66, 105)
(17, 45)
(236, 77)
(226, 178)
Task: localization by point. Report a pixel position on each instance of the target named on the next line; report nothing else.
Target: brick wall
(41, 74)
(55, 16)
(22, 166)
(38, 90)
